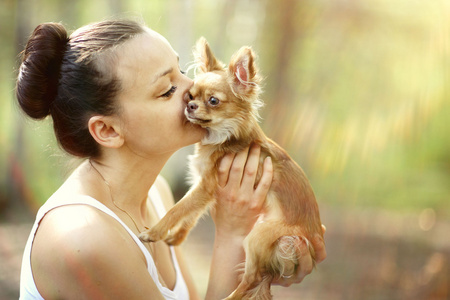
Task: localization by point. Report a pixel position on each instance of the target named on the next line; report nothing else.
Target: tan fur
(232, 124)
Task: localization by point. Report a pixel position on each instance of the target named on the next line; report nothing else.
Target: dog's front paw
(151, 235)
(176, 238)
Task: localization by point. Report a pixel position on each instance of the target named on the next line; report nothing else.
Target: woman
(116, 96)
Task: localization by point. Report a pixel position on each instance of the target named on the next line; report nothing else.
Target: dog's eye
(213, 101)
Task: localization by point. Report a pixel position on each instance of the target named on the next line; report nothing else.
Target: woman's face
(153, 97)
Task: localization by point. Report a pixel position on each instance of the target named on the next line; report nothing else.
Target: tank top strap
(180, 285)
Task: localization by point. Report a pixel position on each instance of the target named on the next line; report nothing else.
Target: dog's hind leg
(259, 247)
(272, 251)
(247, 290)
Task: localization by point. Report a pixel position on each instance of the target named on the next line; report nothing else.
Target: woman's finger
(251, 168)
(305, 261)
(266, 179)
(237, 167)
(224, 169)
(319, 248)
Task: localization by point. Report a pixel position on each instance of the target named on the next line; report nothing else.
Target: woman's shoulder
(79, 243)
(71, 220)
(76, 226)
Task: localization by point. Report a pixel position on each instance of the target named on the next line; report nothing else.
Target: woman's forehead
(146, 56)
(150, 43)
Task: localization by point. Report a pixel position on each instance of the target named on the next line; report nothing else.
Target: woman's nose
(187, 97)
(190, 83)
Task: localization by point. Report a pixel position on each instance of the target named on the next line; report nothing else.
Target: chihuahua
(225, 101)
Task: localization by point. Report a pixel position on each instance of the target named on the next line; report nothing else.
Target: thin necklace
(152, 249)
(112, 199)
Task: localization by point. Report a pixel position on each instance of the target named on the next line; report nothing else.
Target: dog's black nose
(192, 106)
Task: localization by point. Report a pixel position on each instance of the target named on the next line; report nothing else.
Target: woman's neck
(127, 181)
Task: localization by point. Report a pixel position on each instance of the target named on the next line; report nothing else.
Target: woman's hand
(306, 265)
(239, 200)
(239, 204)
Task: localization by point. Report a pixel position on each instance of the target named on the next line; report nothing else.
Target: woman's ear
(105, 131)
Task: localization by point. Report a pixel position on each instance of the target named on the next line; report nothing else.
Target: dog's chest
(200, 166)
(204, 163)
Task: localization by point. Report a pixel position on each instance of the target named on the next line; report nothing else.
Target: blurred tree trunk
(16, 195)
(282, 32)
(180, 36)
(228, 10)
(25, 18)
(180, 29)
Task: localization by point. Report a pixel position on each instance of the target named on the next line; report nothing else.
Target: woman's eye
(213, 101)
(182, 72)
(169, 92)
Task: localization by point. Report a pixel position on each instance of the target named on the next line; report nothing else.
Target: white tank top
(28, 289)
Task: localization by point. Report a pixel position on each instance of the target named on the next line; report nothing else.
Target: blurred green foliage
(356, 91)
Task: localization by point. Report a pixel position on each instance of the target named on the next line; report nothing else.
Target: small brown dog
(226, 102)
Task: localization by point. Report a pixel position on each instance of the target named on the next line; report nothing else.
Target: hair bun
(37, 83)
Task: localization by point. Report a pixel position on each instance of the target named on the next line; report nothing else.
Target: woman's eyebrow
(165, 72)
(162, 74)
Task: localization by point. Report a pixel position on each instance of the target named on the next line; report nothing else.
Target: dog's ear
(243, 74)
(205, 59)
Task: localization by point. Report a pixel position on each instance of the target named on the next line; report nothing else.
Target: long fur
(225, 101)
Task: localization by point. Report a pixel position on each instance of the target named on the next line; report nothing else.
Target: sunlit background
(356, 91)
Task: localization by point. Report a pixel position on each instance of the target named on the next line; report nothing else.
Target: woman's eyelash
(172, 89)
(169, 92)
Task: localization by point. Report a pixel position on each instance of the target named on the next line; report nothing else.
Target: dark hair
(72, 78)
